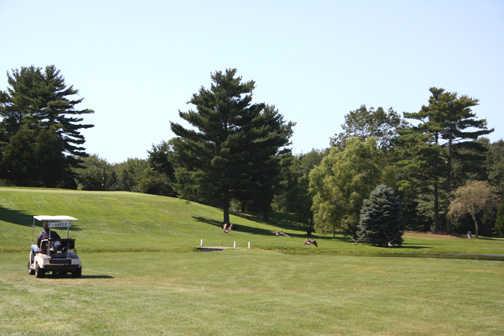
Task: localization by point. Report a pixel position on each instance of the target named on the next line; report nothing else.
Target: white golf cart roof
(61, 222)
(44, 218)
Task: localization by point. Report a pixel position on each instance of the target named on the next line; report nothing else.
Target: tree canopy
(364, 123)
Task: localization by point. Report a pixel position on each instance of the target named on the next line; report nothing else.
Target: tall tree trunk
(226, 222)
(449, 167)
(476, 225)
(436, 225)
(449, 180)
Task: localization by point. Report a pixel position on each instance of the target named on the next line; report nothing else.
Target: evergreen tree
(293, 196)
(19, 157)
(231, 143)
(380, 220)
(265, 136)
(420, 168)
(163, 173)
(495, 164)
(33, 156)
(160, 159)
(451, 129)
(40, 98)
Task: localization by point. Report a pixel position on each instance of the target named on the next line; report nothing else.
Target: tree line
(234, 153)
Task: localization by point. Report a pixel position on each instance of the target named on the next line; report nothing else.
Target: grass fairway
(142, 276)
(254, 293)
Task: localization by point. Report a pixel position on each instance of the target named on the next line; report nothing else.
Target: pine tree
(293, 197)
(452, 129)
(40, 98)
(380, 219)
(265, 135)
(231, 143)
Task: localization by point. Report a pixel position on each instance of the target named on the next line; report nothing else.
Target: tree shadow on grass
(246, 229)
(284, 221)
(18, 217)
(288, 222)
(488, 238)
(413, 246)
(236, 227)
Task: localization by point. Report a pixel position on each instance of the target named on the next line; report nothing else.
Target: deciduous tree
(364, 123)
(471, 199)
(341, 182)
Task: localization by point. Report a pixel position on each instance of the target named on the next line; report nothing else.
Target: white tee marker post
(201, 243)
(234, 244)
(248, 244)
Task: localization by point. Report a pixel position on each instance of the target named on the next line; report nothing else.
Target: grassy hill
(143, 277)
(123, 221)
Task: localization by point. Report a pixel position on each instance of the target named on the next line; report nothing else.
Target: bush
(380, 218)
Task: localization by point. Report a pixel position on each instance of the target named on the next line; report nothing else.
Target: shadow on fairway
(15, 216)
(84, 276)
(412, 246)
(244, 228)
(96, 276)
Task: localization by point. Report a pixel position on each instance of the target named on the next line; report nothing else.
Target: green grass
(121, 221)
(143, 277)
(254, 293)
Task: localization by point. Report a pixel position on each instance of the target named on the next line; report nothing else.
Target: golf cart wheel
(30, 270)
(39, 273)
(77, 274)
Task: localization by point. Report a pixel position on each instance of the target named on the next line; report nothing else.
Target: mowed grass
(254, 293)
(122, 221)
(142, 276)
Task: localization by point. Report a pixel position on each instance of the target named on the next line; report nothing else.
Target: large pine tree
(39, 99)
(451, 129)
(229, 150)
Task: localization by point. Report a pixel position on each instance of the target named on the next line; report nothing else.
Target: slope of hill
(123, 221)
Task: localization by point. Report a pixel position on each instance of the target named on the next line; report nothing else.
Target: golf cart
(54, 254)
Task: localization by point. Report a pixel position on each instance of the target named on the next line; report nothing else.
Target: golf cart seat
(44, 246)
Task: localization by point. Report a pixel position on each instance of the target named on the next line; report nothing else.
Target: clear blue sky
(137, 63)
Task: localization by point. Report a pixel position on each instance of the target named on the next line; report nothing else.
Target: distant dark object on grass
(311, 242)
(280, 233)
